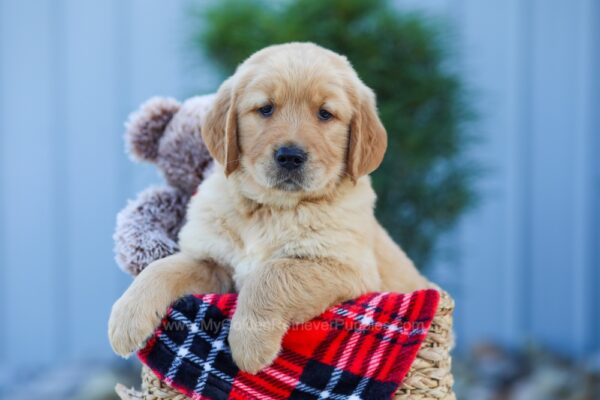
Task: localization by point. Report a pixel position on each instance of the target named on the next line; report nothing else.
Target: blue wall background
(524, 265)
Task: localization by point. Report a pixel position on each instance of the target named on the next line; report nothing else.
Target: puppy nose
(290, 157)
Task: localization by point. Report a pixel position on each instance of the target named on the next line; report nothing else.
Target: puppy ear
(146, 126)
(368, 138)
(219, 130)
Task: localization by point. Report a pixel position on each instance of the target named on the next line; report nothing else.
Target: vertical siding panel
(519, 166)
(60, 211)
(489, 49)
(3, 190)
(553, 166)
(123, 102)
(594, 282)
(28, 176)
(517, 172)
(92, 172)
(156, 49)
(583, 177)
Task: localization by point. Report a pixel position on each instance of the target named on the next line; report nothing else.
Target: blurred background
(492, 180)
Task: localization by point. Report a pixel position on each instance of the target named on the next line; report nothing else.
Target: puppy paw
(132, 321)
(255, 345)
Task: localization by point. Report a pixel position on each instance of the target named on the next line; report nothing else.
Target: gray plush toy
(166, 133)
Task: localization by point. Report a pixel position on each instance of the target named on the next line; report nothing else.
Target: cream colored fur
(289, 253)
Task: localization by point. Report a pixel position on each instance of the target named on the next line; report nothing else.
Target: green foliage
(424, 183)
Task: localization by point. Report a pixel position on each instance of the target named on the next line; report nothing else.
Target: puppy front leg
(138, 312)
(281, 293)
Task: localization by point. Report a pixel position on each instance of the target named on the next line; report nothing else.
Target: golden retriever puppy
(287, 218)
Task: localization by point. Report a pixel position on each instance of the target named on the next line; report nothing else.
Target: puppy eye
(325, 115)
(266, 111)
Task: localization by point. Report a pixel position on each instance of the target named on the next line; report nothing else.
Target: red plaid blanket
(361, 349)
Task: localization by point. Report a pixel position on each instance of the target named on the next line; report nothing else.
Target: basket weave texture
(429, 378)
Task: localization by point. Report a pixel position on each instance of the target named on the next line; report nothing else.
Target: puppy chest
(300, 233)
(277, 235)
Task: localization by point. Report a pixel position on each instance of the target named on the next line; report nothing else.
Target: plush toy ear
(219, 130)
(146, 126)
(368, 138)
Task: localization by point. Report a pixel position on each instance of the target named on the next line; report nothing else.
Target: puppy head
(295, 119)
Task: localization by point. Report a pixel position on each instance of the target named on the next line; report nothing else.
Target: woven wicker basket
(429, 377)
